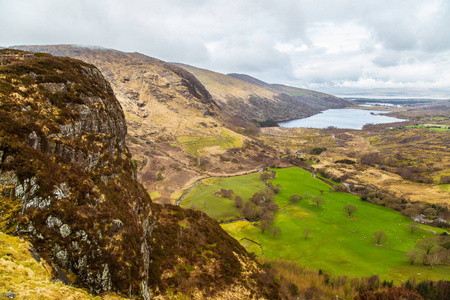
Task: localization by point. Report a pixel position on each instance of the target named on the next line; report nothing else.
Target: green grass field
(203, 197)
(431, 127)
(337, 243)
(194, 144)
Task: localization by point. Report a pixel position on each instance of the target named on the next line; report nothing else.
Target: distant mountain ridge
(251, 98)
(181, 120)
(307, 97)
(171, 117)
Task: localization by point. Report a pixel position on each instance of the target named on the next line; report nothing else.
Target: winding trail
(146, 165)
(218, 176)
(260, 246)
(187, 192)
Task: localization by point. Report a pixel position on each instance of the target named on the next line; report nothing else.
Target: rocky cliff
(68, 184)
(175, 128)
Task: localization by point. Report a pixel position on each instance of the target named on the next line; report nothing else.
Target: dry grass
(22, 275)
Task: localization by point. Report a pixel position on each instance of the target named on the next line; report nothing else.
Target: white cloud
(323, 43)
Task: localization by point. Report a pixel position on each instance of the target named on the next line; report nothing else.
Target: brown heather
(68, 185)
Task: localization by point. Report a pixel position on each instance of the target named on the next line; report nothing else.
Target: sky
(399, 48)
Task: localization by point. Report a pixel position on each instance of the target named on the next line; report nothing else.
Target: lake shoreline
(343, 118)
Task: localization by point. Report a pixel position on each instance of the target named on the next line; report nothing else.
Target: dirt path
(258, 170)
(146, 165)
(187, 192)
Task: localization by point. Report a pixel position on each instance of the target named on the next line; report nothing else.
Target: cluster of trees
(261, 208)
(407, 208)
(317, 150)
(445, 180)
(430, 251)
(252, 130)
(268, 176)
(266, 123)
(225, 193)
(429, 211)
(429, 289)
(292, 278)
(296, 198)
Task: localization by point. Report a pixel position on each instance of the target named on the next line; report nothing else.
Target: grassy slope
(198, 145)
(337, 244)
(22, 275)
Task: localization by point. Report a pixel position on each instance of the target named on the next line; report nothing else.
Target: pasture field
(336, 244)
(432, 127)
(199, 145)
(203, 195)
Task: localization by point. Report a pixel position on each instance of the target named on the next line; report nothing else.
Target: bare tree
(238, 202)
(350, 209)
(412, 256)
(272, 207)
(264, 225)
(410, 212)
(268, 194)
(268, 216)
(257, 198)
(225, 193)
(306, 232)
(295, 198)
(265, 176)
(434, 259)
(427, 245)
(379, 237)
(275, 231)
(318, 201)
(413, 227)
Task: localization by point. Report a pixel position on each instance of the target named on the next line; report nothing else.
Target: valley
(319, 236)
(189, 150)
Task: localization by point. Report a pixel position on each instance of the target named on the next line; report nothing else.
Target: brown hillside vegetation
(251, 98)
(176, 131)
(69, 186)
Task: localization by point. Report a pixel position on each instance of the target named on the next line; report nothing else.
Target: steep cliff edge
(68, 184)
(176, 130)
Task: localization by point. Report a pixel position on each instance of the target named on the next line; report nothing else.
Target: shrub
(318, 150)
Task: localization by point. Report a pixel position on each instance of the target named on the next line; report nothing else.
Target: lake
(342, 118)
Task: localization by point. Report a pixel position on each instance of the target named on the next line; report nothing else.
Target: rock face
(67, 167)
(67, 182)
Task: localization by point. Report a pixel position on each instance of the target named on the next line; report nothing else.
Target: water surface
(342, 118)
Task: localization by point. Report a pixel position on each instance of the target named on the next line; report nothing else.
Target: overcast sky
(336, 46)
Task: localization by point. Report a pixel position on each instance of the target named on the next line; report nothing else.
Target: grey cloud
(403, 35)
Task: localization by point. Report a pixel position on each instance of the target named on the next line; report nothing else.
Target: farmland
(336, 243)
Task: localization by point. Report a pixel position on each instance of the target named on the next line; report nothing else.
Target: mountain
(304, 97)
(69, 186)
(183, 122)
(177, 131)
(251, 98)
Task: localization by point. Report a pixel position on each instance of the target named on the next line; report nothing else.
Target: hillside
(304, 98)
(251, 98)
(69, 186)
(176, 131)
